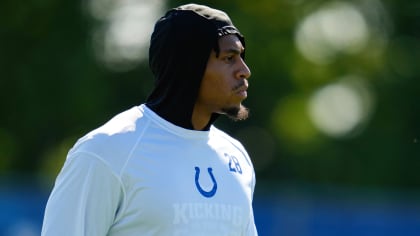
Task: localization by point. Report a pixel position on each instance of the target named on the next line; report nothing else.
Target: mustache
(240, 85)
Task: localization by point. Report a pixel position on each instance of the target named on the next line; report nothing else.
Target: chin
(236, 113)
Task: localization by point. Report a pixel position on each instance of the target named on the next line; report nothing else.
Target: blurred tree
(54, 88)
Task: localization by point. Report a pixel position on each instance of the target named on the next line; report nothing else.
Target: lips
(242, 91)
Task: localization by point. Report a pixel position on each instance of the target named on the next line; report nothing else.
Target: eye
(229, 59)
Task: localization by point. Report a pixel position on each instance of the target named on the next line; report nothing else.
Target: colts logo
(210, 193)
(234, 164)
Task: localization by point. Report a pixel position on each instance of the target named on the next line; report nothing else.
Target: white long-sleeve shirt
(141, 175)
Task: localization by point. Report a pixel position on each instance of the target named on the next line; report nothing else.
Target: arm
(84, 200)
(251, 228)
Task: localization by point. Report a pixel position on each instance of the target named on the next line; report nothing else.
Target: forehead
(230, 41)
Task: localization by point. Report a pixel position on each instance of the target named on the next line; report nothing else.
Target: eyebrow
(234, 50)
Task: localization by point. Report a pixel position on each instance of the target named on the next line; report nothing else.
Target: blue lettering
(234, 165)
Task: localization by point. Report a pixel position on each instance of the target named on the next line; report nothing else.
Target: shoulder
(113, 141)
(220, 134)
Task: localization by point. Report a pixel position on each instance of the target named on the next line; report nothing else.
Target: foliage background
(55, 88)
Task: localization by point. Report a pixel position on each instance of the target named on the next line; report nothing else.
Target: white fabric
(136, 175)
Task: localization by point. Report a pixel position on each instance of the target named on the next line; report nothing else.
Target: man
(162, 168)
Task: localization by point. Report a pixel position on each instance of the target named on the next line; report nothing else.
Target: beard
(236, 113)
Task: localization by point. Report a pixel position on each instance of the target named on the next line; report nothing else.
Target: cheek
(219, 87)
(215, 95)
(215, 83)
(210, 89)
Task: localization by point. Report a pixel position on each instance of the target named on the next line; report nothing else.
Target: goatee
(237, 113)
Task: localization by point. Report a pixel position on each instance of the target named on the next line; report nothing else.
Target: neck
(200, 120)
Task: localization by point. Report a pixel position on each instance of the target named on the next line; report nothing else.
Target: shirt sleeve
(251, 228)
(84, 200)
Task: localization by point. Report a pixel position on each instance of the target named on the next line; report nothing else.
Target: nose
(243, 72)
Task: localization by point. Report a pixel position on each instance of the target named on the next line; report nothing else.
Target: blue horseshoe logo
(201, 190)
